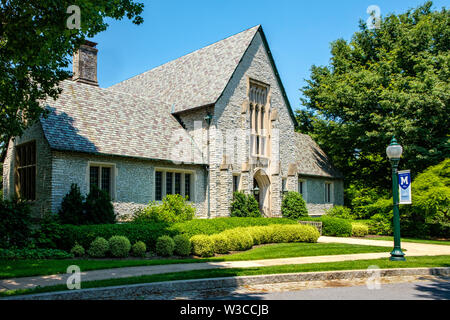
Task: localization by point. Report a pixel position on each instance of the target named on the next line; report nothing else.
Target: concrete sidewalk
(413, 249)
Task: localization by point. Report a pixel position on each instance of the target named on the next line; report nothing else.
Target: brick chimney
(85, 64)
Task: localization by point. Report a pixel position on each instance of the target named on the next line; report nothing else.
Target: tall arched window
(258, 116)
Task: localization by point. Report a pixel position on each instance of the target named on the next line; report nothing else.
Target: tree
(293, 206)
(98, 207)
(71, 211)
(36, 46)
(244, 205)
(391, 81)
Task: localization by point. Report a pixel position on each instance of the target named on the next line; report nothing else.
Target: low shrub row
(116, 246)
(16, 254)
(85, 234)
(241, 239)
(180, 245)
(331, 226)
(217, 225)
(66, 236)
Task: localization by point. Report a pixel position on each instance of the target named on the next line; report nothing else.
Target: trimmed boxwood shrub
(261, 234)
(359, 229)
(84, 235)
(240, 239)
(139, 249)
(77, 250)
(119, 246)
(99, 247)
(202, 245)
(221, 243)
(165, 246)
(333, 226)
(294, 233)
(336, 227)
(182, 245)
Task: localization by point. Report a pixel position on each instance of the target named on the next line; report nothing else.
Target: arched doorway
(262, 181)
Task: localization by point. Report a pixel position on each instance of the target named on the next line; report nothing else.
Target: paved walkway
(413, 249)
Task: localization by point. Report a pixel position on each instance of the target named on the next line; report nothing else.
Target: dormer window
(258, 94)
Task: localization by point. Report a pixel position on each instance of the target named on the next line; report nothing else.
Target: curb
(227, 282)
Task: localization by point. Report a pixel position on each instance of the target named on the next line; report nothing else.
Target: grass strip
(26, 268)
(411, 262)
(426, 241)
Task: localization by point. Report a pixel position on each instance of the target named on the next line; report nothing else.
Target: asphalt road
(436, 289)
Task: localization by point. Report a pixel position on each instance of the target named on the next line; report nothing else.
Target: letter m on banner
(404, 186)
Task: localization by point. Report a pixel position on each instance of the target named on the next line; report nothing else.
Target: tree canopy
(36, 45)
(385, 82)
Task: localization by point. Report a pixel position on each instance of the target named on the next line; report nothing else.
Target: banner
(404, 186)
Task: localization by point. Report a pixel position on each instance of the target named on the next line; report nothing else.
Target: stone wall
(42, 204)
(133, 180)
(315, 194)
(230, 116)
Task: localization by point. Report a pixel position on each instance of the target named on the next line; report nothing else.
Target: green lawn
(288, 250)
(390, 238)
(24, 268)
(411, 262)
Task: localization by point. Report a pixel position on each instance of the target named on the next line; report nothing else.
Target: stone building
(209, 123)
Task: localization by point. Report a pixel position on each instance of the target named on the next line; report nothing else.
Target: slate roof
(311, 160)
(90, 119)
(194, 80)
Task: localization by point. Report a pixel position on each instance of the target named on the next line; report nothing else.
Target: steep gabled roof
(311, 160)
(194, 80)
(89, 119)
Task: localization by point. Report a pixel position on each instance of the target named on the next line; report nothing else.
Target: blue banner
(404, 185)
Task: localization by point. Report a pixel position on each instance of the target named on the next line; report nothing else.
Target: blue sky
(299, 33)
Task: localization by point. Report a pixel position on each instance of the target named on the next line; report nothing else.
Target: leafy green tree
(293, 206)
(36, 46)
(244, 205)
(71, 211)
(431, 196)
(252, 207)
(98, 207)
(239, 205)
(173, 209)
(391, 81)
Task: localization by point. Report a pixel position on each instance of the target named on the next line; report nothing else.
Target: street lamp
(394, 152)
(256, 191)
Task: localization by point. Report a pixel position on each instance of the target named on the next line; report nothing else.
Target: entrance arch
(261, 179)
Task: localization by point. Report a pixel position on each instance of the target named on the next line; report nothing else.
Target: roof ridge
(116, 91)
(185, 55)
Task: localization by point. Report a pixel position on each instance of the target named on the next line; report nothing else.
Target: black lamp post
(394, 152)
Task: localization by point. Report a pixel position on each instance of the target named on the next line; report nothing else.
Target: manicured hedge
(331, 226)
(202, 245)
(15, 254)
(241, 239)
(84, 235)
(217, 225)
